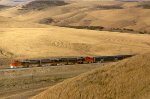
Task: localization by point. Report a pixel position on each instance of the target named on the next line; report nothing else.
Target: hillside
(3, 7)
(132, 17)
(34, 29)
(52, 41)
(128, 79)
(41, 4)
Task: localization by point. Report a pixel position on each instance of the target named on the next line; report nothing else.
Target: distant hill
(42, 4)
(133, 0)
(116, 16)
(145, 5)
(3, 7)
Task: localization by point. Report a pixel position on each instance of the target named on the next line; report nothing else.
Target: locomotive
(65, 61)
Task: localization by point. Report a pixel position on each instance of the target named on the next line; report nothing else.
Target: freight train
(65, 61)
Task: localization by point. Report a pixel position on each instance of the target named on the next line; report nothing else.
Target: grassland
(56, 41)
(24, 83)
(41, 30)
(128, 79)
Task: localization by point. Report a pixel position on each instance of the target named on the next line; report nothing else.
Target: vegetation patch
(40, 5)
(145, 5)
(110, 7)
(3, 7)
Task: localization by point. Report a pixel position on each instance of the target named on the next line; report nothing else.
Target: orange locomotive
(15, 64)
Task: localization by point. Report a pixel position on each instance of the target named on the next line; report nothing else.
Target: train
(59, 61)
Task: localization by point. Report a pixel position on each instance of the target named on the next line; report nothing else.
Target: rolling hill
(106, 15)
(52, 41)
(128, 79)
(41, 4)
(44, 28)
(3, 7)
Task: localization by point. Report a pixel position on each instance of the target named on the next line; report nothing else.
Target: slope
(111, 15)
(3, 7)
(52, 41)
(41, 4)
(128, 79)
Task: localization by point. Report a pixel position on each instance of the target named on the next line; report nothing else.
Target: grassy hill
(42, 29)
(3, 7)
(132, 17)
(128, 79)
(52, 41)
(41, 4)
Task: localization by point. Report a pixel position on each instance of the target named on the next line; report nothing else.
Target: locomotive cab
(14, 64)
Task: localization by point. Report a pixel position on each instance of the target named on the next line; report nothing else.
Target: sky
(13, 2)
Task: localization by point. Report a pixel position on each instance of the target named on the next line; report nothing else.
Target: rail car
(58, 61)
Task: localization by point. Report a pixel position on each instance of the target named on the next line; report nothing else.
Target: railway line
(8, 69)
(62, 61)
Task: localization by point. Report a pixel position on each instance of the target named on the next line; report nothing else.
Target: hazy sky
(12, 2)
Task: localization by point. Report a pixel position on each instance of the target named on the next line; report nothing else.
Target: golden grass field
(33, 31)
(111, 15)
(56, 41)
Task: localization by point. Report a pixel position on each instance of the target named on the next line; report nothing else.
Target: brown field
(40, 29)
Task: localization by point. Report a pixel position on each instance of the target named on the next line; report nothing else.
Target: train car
(28, 63)
(80, 60)
(120, 57)
(98, 59)
(101, 59)
(89, 59)
(52, 61)
(72, 60)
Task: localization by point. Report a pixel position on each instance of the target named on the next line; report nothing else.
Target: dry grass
(110, 15)
(128, 79)
(30, 35)
(55, 41)
(24, 83)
